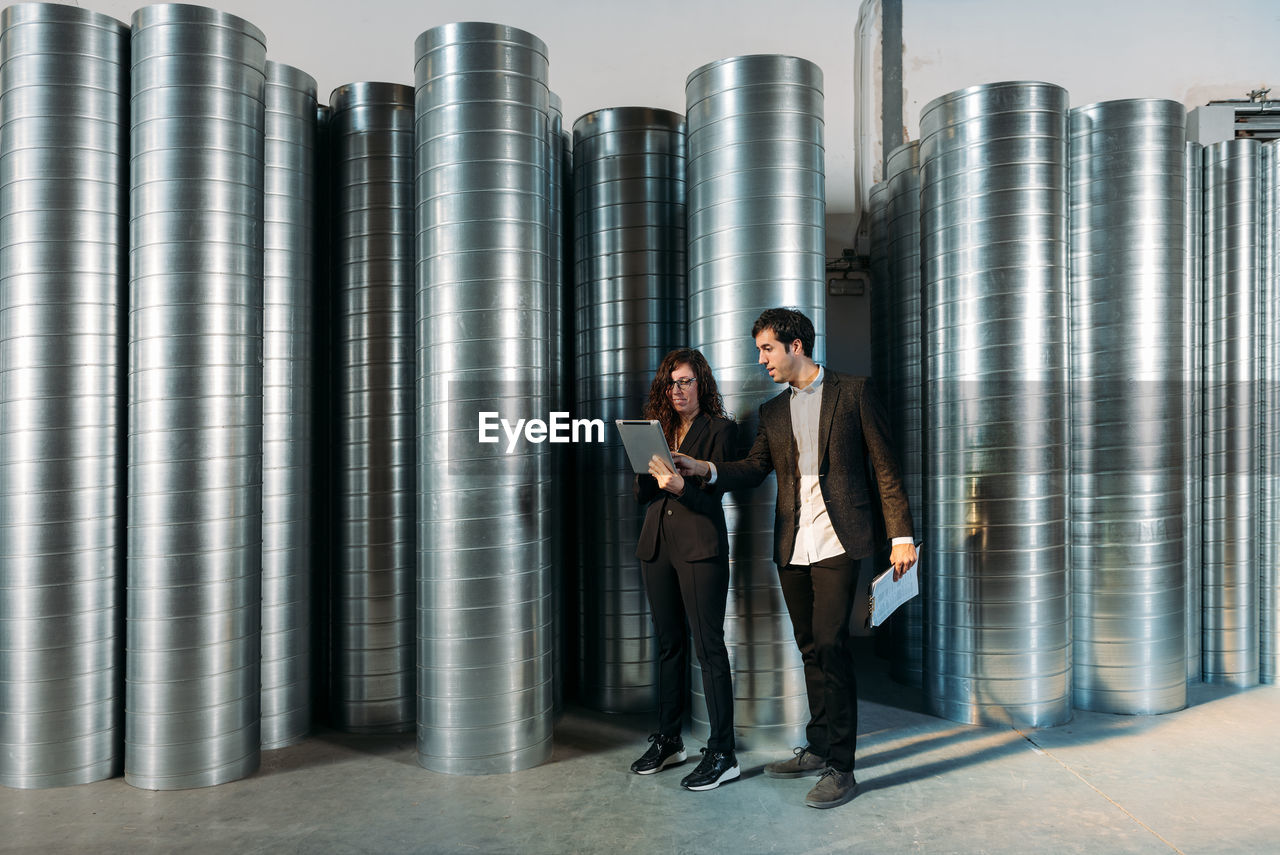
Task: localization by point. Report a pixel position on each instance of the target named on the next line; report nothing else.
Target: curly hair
(659, 404)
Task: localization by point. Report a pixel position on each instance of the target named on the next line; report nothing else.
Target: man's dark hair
(787, 325)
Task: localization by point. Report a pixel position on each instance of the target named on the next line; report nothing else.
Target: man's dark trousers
(819, 598)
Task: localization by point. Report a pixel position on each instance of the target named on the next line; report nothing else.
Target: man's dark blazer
(853, 430)
(694, 521)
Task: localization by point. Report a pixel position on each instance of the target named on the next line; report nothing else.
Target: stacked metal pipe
(1269, 528)
(1128, 220)
(557, 359)
(993, 225)
(288, 285)
(881, 284)
(373, 584)
(903, 396)
(1231, 463)
(1193, 386)
(64, 174)
(629, 207)
(756, 240)
(485, 521)
(195, 398)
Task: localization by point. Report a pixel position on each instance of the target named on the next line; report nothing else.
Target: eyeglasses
(684, 383)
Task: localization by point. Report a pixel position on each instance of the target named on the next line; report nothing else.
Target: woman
(684, 554)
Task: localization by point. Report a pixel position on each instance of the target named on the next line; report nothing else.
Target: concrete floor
(1206, 779)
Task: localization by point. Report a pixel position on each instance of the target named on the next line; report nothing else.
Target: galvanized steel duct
(557, 359)
(1231, 464)
(288, 284)
(373, 583)
(993, 224)
(64, 121)
(485, 521)
(1269, 535)
(904, 397)
(195, 399)
(629, 209)
(877, 218)
(757, 205)
(1128, 220)
(1193, 386)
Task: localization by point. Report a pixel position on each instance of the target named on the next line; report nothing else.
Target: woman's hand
(667, 479)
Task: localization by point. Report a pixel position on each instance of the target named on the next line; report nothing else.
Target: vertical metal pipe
(373, 592)
(1128, 221)
(903, 399)
(1193, 385)
(287, 289)
(485, 676)
(629, 201)
(64, 173)
(757, 205)
(993, 224)
(877, 219)
(1269, 536)
(559, 391)
(1231, 495)
(195, 399)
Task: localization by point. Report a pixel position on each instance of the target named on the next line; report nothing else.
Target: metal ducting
(993, 224)
(629, 208)
(485, 519)
(287, 289)
(557, 358)
(64, 174)
(195, 399)
(757, 214)
(373, 582)
(1231, 462)
(877, 217)
(1128, 220)
(904, 397)
(1193, 386)
(1269, 529)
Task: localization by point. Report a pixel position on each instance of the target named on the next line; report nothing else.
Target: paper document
(887, 595)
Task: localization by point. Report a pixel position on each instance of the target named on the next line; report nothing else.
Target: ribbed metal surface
(994, 270)
(1231, 463)
(1269, 534)
(64, 121)
(904, 396)
(288, 285)
(485, 522)
(756, 240)
(1128, 219)
(629, 205)
(1193, 386)
(195, 398)
(881, 284)
(557, 358)
(373, 584)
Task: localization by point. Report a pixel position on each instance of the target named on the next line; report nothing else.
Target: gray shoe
(833, 789)
(803, 764)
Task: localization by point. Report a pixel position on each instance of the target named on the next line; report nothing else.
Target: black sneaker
(665, 751)
(716, 768)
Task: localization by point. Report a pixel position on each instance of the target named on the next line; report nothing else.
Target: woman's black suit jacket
(693, 521)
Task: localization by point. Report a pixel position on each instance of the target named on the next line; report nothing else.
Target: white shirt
(815, 537)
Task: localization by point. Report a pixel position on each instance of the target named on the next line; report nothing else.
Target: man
(818, 436)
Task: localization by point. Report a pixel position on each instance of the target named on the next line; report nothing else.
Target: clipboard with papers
(887, 595)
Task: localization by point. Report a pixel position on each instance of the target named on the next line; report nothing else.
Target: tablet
(643, 439)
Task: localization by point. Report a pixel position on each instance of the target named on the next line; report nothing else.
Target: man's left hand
(901, 558)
